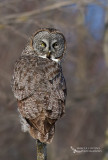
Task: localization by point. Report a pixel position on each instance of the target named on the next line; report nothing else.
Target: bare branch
(46, 9)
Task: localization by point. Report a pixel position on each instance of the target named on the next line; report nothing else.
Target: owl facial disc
(49, 45)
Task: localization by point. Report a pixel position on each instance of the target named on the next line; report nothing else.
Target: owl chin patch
(44, 56)
(56, 60)
(52, 58)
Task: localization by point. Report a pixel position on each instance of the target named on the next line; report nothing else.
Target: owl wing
(64, 89)
(58, 93)
(40, 106)
(25, 78)
(63, 86)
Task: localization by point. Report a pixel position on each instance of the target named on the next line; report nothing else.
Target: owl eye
(55, 45)
(42, 44)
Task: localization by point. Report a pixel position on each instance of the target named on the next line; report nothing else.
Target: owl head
(49, 43)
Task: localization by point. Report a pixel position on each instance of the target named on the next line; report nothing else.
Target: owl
(38, 84)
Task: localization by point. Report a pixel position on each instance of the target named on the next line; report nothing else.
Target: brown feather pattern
(39, 87)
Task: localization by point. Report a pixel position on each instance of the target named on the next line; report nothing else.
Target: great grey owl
(39, 85)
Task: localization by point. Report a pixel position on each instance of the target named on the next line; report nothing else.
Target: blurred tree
(86, 120)
(95, 20)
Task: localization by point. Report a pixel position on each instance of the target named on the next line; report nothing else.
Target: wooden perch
(41, 150)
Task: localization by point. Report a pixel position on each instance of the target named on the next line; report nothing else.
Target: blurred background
(85, 65)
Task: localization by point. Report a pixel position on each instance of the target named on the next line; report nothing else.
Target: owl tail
(42, 129)
(47, 138)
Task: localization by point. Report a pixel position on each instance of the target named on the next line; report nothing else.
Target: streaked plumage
(39, 87)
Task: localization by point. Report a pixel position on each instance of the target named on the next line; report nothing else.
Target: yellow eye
(55, 45)
(43, 44)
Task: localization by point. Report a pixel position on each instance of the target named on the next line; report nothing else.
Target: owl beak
(49, 54)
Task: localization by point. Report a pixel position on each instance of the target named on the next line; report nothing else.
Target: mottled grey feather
(39, 86)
